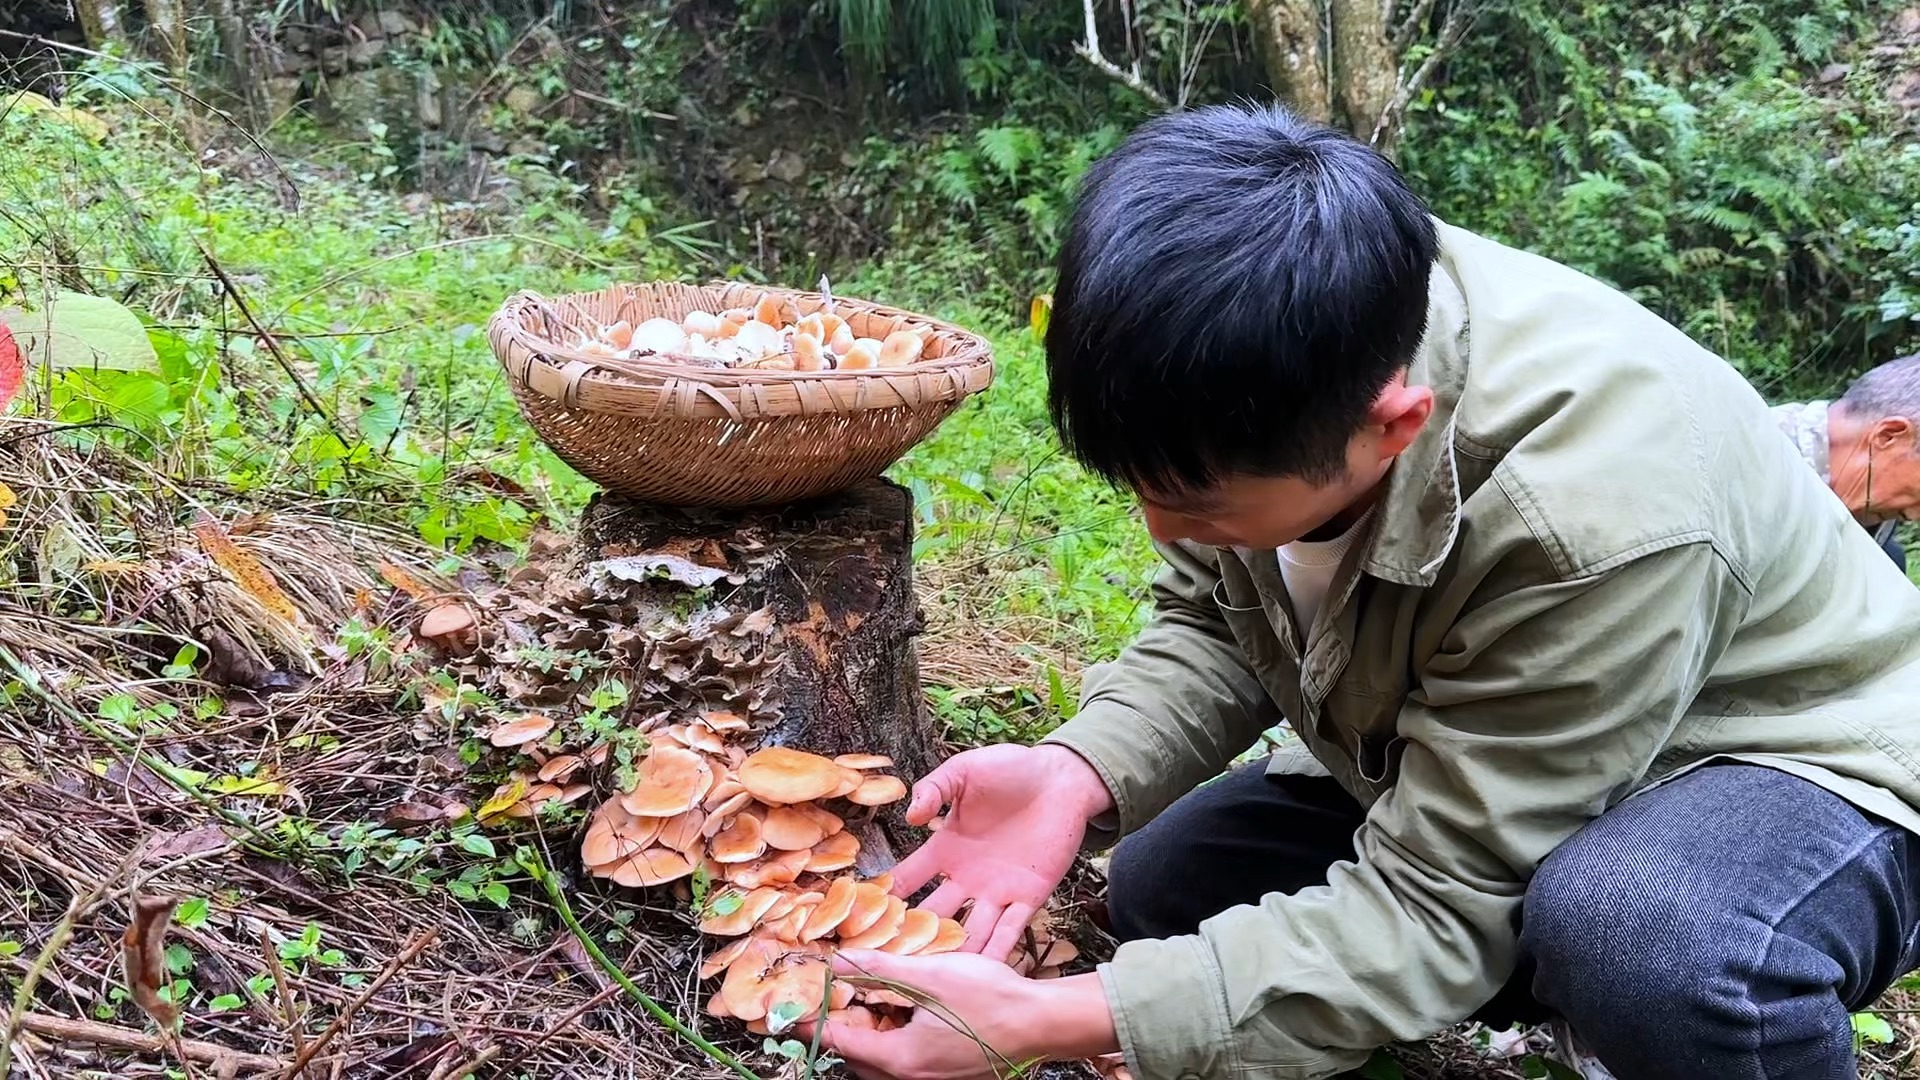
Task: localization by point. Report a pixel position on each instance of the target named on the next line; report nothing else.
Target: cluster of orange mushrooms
(770, 336)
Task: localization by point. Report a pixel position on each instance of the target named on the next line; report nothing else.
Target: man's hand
(1019, 815)
(973, 1019)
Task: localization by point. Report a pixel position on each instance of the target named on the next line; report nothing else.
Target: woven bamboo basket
(668, 431)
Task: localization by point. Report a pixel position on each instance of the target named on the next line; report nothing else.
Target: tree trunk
(168, 21)
(837, 576)
(1365, 64)
(1290, 36)
(231, 25)
(101, 21)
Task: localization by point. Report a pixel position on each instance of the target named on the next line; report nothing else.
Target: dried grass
(507, 993)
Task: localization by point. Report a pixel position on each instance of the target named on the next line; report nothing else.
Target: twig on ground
(88, 1031)
(23, 997)
(287, 1011)
(534, 865)
(414, 948)
(467, 1067)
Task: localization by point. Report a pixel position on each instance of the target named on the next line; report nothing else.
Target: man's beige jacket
(1600, 565)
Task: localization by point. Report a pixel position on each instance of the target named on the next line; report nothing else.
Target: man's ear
(1400, 412)
(1891, 433)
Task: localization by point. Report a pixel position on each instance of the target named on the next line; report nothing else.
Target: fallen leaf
(405, 582)
(400, 815)
(143, 949)
(505, 798)
(190, 842)
(245, 570)
(13, 371)
(6, 499)
(254, 786)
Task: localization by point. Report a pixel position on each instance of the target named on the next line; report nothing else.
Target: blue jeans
(1723, 925)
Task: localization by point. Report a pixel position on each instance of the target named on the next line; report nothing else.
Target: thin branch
(1410, 29)
(1459, 18)
(414, 948)
(68, 1029)
(80, 905)
(1089, 51)
(273, 345)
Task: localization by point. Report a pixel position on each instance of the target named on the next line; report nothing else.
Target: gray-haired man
(1866, 447)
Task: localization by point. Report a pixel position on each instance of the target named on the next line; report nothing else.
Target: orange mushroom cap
(952, 935)
(781, 776)
(879, 791)
(883, 929)
(864, 761)
(737, 911)
(832, 910)
(917, 930)
(836, 852)
(723, 958)
(529, 728)
(614, 834)
(740, 842)
(654, 866)
(723, 791)
(682, 832)
(672, 780)
(792, 829)
(744, 990)
(446, 621)
(869, 905)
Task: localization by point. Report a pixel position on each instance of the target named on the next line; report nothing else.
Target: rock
(786, 166)
(1907, 23)
(1905, 91)
(523, 100)
(397, 23)
(283, 93)
(362, 54)
(1833, 73)
(367, 24)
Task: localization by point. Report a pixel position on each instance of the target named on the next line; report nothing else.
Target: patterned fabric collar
(1806, 424)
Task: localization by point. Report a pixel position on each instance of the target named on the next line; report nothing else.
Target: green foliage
(1678, 152)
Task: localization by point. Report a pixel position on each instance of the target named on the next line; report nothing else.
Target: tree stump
(837, 577)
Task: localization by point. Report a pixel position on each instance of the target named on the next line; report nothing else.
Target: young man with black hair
(1605, 707)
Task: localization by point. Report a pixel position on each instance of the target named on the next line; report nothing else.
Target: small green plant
(1870, 1027)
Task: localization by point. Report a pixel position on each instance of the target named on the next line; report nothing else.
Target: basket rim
(654, 390)
(505, 323)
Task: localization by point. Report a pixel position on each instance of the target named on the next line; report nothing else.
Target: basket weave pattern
(667, 430)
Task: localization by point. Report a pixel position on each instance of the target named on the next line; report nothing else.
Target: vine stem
(533, 864)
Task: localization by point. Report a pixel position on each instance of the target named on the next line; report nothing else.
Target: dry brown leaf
(143, 950)
(398, 578)
(245, 570)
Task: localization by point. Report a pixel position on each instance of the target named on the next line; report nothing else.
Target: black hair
(1892, 389)
(1236, 287)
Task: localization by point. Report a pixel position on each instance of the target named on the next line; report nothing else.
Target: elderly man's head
(1873, 434)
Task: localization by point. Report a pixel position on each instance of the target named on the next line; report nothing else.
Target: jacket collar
(1417, 520)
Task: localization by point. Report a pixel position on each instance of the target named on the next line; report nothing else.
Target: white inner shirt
(1308, 569)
